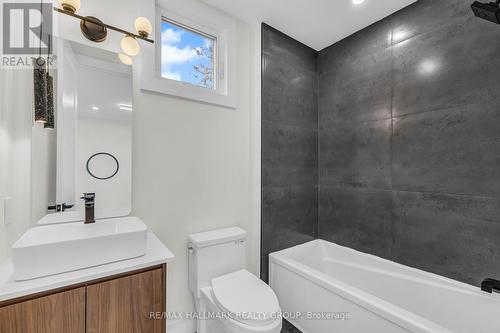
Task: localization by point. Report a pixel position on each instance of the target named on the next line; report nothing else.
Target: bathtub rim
(376, 305)
(459, 286)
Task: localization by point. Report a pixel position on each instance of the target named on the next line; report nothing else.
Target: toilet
(228, 298)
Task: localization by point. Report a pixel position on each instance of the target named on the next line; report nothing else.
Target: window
(194, 55)
(187, 55)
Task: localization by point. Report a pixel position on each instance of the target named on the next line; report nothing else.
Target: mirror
(89, 146)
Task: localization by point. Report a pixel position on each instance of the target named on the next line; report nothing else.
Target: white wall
(15, 153)
(195, 166)
(192, 170)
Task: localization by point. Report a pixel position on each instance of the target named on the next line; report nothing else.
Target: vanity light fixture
(358, 2)
(96, 31)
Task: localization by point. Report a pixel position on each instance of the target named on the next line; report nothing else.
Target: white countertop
(156, 254)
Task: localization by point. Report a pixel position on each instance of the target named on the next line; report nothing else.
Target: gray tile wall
(409, 140)
(400, 122)
(289, 143)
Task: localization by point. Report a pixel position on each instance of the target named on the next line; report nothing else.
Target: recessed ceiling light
(358, 2)
(95, 108)
(125, 107)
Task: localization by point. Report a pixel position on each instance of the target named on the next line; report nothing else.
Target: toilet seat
(246, 298)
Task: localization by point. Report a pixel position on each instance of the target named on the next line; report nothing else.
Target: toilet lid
(247, 298)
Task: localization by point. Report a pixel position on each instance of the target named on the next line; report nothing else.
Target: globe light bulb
(143, 26)
(125, 59)
(130, 46)
(70, 5)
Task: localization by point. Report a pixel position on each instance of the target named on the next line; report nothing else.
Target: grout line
(318, 168)
(391, 146)
(357, 123)
(395, 190)
(283, 123)
(262, 187)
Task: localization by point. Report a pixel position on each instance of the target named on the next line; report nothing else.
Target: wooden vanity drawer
(117, 304)
(123, 305)
(63, 312)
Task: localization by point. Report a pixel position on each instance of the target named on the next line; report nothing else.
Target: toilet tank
(215, 253)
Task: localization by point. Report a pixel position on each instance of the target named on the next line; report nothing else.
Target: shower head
(488, 11)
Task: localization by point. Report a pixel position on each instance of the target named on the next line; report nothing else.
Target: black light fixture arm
(104, 25)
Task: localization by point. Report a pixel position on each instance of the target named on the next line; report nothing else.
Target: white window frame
(205, 20)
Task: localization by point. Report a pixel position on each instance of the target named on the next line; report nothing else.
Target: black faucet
(89, 199)
(489, 285)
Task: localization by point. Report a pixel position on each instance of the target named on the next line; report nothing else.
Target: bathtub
(326, 288)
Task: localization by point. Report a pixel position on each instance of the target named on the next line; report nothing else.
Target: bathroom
(238, 166)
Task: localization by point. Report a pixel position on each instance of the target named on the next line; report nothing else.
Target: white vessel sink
(78, 215)
(54, 249)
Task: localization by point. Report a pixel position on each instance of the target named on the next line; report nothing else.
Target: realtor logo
(26, 28)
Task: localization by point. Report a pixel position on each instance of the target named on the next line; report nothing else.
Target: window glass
(187, 55)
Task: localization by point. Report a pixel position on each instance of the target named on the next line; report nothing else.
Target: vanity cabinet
(116, 304)
(62, 312)
(124, 304)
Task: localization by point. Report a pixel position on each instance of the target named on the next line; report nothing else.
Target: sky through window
(187, 56)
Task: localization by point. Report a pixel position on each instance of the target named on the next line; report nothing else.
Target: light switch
(7, 211)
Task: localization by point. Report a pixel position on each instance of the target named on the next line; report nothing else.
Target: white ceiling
(316, 23)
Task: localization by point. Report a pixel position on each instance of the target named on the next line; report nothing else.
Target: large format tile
(448, 67)
(370, 40)
(289, 217)
(289, 155)
(277, 71)
(448, 151)
(357, 156)
(359, 90)
(363, 89)
(357, 218)
(289, 94)
(454, 236)
(429, 15)
(380, 179)
(288, 49)
(289, 143)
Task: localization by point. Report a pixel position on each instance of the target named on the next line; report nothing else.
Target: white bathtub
(377, 294)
